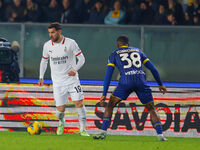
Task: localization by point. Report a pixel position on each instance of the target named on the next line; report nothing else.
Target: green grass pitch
(50, 141)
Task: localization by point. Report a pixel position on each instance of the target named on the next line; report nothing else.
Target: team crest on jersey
(65, 50)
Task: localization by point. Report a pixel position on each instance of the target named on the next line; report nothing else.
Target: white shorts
(61, 93)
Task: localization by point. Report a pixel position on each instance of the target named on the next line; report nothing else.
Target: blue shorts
(143, 92)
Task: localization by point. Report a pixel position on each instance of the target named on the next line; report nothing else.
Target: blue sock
(158, 127)
(106, 123)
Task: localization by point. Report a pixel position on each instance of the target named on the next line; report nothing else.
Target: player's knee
(60, 108)
(110, 105)
(78, 104)
(150, 106)
(113, 101)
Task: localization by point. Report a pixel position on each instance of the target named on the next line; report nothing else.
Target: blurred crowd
(136, 12)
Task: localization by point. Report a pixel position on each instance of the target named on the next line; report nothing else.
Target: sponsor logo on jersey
(59, 60)
(132, 72)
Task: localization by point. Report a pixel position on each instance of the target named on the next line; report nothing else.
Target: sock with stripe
(158, 127)
(106, 123)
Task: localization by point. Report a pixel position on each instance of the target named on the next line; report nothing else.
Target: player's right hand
(41, 82)
(162, 89)
(102, 100)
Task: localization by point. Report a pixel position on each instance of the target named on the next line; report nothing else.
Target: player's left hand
(162, 89)
(72, 72)
(102, 100)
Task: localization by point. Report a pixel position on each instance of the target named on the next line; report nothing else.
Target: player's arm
(43, 66)
(80, 63)
(107, 79)
(156, 75)
(81, 59)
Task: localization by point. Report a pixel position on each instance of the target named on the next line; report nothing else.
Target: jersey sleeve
(144, 58)
(45, 54)
(75, 48)
(111, 60)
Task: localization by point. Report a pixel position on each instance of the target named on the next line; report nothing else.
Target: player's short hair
(123, 40)
(55, 25)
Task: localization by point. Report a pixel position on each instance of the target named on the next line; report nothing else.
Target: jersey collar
(124, 46)
(63, 41)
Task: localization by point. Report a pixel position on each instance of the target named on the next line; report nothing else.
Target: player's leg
(60, 113)
(145, 95)
(155, 119)
(77, 96)
(118, 95)
(109, 111)
(82, 117)
(107, 117)
(60, 101)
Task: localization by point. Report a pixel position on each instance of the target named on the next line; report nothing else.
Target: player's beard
(55, 39)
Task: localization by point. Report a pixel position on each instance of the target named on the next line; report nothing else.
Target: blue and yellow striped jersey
(129, 62)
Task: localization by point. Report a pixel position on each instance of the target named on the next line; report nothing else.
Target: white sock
(60, 116)
(82, 117)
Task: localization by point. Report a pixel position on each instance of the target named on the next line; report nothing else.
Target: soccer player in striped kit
(62, 53)
(129, 62)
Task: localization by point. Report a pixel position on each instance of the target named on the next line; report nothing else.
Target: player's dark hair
(55, 25)
(123, 40)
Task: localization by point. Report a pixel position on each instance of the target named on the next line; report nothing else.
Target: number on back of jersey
(133, 59)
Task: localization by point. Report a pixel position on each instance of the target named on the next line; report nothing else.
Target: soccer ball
(34, 128)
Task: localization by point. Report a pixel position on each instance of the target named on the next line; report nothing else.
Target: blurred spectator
(42, 2)
(188, 19)
(171, 19)
(132, 7)
(145, 14)
(2, 10)
(107, 5)
(194, 8)
(69, 14)
(196, 21)
(184, 4)
(152, 4)
(15, 12)
(32, 11)
(52, 12)
(6, 2)
(83, 7)
(97, 14)
(177, 10)
(161, 16)
(117, 15)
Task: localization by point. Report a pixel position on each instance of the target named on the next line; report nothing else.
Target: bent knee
(150, 106)
(78, 104)
(60, 108)
(113, 101)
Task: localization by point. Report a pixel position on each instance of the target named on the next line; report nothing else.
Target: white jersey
(62, 58)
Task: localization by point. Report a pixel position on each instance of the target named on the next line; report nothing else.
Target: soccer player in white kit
(62, 53)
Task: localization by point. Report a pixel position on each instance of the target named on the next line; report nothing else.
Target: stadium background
(174, 50)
